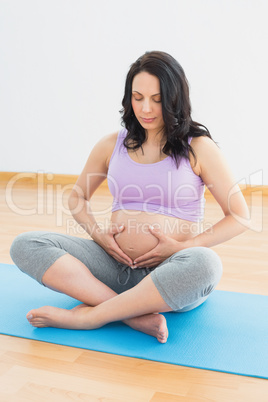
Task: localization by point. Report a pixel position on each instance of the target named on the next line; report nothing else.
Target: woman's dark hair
(176, 106)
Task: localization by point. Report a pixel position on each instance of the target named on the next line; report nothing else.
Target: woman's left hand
(164, 249)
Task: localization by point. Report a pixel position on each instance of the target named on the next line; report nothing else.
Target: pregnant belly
(136, 239)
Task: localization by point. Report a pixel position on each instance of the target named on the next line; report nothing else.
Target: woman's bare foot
(151, 324)
(77, 318)
(82, 317)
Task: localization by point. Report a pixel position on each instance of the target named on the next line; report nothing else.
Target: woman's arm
(93, 174)
(215, 173)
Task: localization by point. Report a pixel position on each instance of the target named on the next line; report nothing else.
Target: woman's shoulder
(109, 140)
(202, 141)
(204, 147)
(209, 157)
(105, 147)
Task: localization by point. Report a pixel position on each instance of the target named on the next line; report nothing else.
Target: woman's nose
(146, 106)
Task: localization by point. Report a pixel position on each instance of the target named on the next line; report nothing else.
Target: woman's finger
(144, 258)
(152, 262)
(125, 257)
(119, 259)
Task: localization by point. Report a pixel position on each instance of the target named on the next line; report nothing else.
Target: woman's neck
(155, 138)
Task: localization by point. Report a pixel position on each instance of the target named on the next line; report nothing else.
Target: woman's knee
(209, 261)
(203, 260)
(29, 245)
(35, 252)
(20, 246)
(188, 277)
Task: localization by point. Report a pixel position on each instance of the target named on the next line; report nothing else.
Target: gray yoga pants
(184, 280)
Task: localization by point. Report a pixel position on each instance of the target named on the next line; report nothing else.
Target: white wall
(63, 64)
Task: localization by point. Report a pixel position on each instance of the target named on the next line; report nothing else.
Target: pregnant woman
(154, 256)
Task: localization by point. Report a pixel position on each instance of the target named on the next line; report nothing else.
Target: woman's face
(146, 102)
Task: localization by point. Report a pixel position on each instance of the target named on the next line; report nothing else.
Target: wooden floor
(36, 371)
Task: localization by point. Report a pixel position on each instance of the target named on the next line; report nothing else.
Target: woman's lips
(148, 120)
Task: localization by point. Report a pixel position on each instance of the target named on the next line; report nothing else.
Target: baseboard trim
(33, 178)
(37, 178)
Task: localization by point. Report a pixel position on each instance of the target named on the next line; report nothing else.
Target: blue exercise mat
(228, 333)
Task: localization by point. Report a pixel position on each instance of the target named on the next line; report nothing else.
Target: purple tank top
(159, 187)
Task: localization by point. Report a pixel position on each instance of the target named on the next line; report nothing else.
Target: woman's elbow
(242, 216)
(73, 201)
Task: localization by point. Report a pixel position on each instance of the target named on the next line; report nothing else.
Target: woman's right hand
(105, 239)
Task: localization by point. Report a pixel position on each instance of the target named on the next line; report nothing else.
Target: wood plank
(17, 378)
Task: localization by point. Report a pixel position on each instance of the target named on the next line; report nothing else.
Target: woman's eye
(140, 99)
